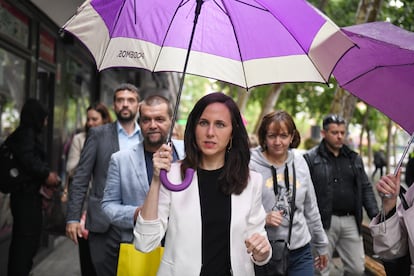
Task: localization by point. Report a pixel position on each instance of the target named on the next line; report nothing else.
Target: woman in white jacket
(216, 225)
(393, 231)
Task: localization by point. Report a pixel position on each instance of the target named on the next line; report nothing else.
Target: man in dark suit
(100, 144)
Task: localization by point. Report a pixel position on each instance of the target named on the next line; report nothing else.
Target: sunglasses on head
(333, 119)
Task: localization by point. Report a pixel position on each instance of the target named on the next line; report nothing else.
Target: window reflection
(12, 80)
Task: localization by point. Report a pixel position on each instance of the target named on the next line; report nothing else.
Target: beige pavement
(62, 261)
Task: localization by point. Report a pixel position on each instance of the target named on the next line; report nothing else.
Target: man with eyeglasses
(342, 188)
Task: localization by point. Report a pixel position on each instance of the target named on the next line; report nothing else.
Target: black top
(215, 217)
(343, 184)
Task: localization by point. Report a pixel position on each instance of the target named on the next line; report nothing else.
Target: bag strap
(292, 203)
(402, 197)
(275, 189)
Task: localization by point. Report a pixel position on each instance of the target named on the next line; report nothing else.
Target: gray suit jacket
(127, 187)
(101, 143)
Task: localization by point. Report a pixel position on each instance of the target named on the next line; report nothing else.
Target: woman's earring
(230, 145)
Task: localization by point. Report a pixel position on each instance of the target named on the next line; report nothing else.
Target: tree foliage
(399, 13)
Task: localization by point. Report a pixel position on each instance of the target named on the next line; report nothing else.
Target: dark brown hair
(129, 87)
(101, 109)
(154, 100)
(278, 117)
(332, 119)
(236, 166)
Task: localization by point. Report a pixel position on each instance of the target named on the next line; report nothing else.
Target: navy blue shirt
(149, 164)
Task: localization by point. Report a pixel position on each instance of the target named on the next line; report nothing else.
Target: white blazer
(180, 212)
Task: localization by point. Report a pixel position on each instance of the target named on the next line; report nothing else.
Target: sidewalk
(62, 261)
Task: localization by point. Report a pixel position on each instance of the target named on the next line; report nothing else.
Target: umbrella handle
(189, 173)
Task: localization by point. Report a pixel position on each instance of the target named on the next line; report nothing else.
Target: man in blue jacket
(130, 171)
(342, 188)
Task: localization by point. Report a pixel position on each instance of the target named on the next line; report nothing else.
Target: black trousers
(104, 248)
(26, 208)
(87, 268)
(375, 171)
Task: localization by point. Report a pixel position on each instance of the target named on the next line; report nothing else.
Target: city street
(62, 261)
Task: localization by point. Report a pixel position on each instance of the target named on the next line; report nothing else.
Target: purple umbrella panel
(247, 43)
(380, 70)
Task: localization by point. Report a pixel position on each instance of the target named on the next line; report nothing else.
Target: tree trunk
(322, 4)
(368, 11)
(268, 105)
(364, 126)
(369, 149)
(242, 99)
(343, 104)
(388, 146)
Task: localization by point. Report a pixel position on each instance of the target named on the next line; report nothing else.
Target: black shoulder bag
(279, 263)
(400, 266)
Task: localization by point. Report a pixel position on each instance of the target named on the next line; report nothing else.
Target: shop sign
(14, 24)
(47, 47)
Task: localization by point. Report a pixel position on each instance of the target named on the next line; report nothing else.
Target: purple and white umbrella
(380, 71)
(243, 42)
(247, 42)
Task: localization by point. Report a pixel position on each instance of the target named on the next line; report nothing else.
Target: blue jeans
(301, 262)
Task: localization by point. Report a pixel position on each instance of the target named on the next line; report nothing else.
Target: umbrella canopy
(380, 70)
(244, 42)
(247, 43)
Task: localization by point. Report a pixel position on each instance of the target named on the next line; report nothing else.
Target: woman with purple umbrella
(393, 229)
(216, 225)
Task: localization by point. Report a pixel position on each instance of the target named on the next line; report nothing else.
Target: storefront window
(112, 78)
(12, 81)
(77, 85)
(71, 101)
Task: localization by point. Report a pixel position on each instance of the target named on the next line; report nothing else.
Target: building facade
(39, 61)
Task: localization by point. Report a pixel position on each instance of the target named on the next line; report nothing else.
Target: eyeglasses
(332, 119)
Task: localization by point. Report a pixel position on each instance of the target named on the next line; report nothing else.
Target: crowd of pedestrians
(246, 192)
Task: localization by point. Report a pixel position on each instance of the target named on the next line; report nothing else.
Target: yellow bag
(132, 262)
